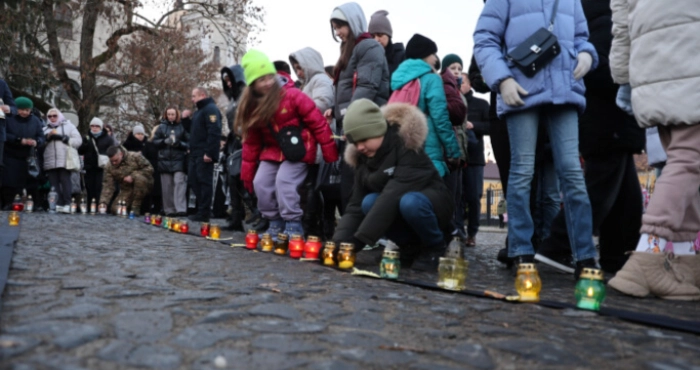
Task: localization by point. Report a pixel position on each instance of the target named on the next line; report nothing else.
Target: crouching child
(398, 194)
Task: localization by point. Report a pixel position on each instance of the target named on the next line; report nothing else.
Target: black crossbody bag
(538, 50)
(290, 141)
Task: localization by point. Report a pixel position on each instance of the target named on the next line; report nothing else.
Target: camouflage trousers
(133, 193)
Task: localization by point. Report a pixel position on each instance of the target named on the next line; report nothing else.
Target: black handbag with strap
(290, 141)
(538, 50)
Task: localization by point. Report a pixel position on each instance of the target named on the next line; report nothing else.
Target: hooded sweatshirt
(317, 85)
(235, 74)
(367, 74)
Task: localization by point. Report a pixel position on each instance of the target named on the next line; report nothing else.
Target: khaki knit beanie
(363, 120)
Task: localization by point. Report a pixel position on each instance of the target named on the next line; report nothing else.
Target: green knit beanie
(255, 65)
(449, 59)
(363, 120)
(24, 103)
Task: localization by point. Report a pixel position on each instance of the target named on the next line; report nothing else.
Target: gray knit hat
(363, 120)
(379, 23)
(138, 129)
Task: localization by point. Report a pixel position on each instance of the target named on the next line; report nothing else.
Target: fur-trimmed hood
(413, 129)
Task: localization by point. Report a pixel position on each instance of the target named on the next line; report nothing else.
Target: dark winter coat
(604, 127)
(87, 149)
(401, 151)
(478, 115)
(133, 144)
(395, 54)
(171, 157)
(205, 132)
(16, 154)
(7, 99)
(455, 105)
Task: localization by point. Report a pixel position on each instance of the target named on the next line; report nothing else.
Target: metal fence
(489, 205)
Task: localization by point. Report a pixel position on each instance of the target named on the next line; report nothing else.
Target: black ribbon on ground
(8, 239)
(659, 321)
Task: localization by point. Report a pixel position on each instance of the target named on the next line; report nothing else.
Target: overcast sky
(293, 25)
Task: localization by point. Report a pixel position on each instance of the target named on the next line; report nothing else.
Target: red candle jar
(159, 220)
(204, 229)
(252, 239)
(184, 227)
(18, 206)
(312, 247)
(296, 246)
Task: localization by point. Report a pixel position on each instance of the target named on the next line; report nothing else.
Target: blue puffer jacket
(509, 23)
(441, 142)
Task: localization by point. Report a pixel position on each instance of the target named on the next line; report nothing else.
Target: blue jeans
(417, 220)
(562, 125)
(547, 198)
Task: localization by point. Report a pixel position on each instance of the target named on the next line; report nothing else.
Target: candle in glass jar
(390, 265)
(176, 226)
(282, 244)
(346, 256)
(266, 243)
(13, 218)
(159, 220)
(528, 283)
(252, 239)
(296, 246)
(312, 247)
(184, 227)
(204, 229)
(328, 253)
(147, 218)
(167, 222)
(214, 231)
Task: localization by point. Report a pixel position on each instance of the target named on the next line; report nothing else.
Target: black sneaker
(525, 258)
(560, 261)
(199, 218)
(589, 263)
(503, 258)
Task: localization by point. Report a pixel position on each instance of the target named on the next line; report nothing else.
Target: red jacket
(295, 108)
(455, 104)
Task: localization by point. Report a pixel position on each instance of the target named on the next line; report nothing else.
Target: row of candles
(452, 269)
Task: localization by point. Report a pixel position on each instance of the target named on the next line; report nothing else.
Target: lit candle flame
(590, 291)
(528, 284)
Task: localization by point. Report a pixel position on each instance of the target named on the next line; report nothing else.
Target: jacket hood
(235, 74)
(355, 18)
(409, 70)
(310, 61)
(413, 128)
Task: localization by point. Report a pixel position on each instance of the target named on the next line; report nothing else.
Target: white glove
(585, 61)
(511, 92)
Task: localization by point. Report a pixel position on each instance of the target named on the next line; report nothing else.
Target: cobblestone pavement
(102, 292)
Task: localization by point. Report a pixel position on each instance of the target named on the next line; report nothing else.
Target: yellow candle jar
(528, 283)
(328, 253)
(346, 256)
(215, 231)
(13, 218)
(267, 244)
(282, 244)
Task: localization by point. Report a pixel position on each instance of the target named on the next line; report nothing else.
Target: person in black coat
(23, 135)
(473, 174)
(205, 134)
(96, 142)
(398, 193)
(608, 139)
(380, 28)
(8, 108)
(233, 82)
(172, 141)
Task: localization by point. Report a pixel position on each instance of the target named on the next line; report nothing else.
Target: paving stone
(361, 320)
(234, 359)
(77, 336)
(545, 352)
(195, 295)
(11, 345)
(78, 311)
(155, 357)
(673, 364)
(142, 326)
(284, 327)
(284, 343)
(333, 365)
(222, 316)
(356, 339)
(377, 357)
(203, 336)
(277, 310)
(473, 354)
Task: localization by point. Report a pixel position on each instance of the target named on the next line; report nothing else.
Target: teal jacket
(441, 142)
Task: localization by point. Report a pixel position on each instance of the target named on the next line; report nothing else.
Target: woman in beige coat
(653, 57)
(60, 134)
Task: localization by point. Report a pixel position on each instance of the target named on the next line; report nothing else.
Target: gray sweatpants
(276, 186)
(174, 187)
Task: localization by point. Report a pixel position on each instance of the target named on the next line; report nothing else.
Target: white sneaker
(63, 209)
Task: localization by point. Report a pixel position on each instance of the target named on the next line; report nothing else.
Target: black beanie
(419, 47)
